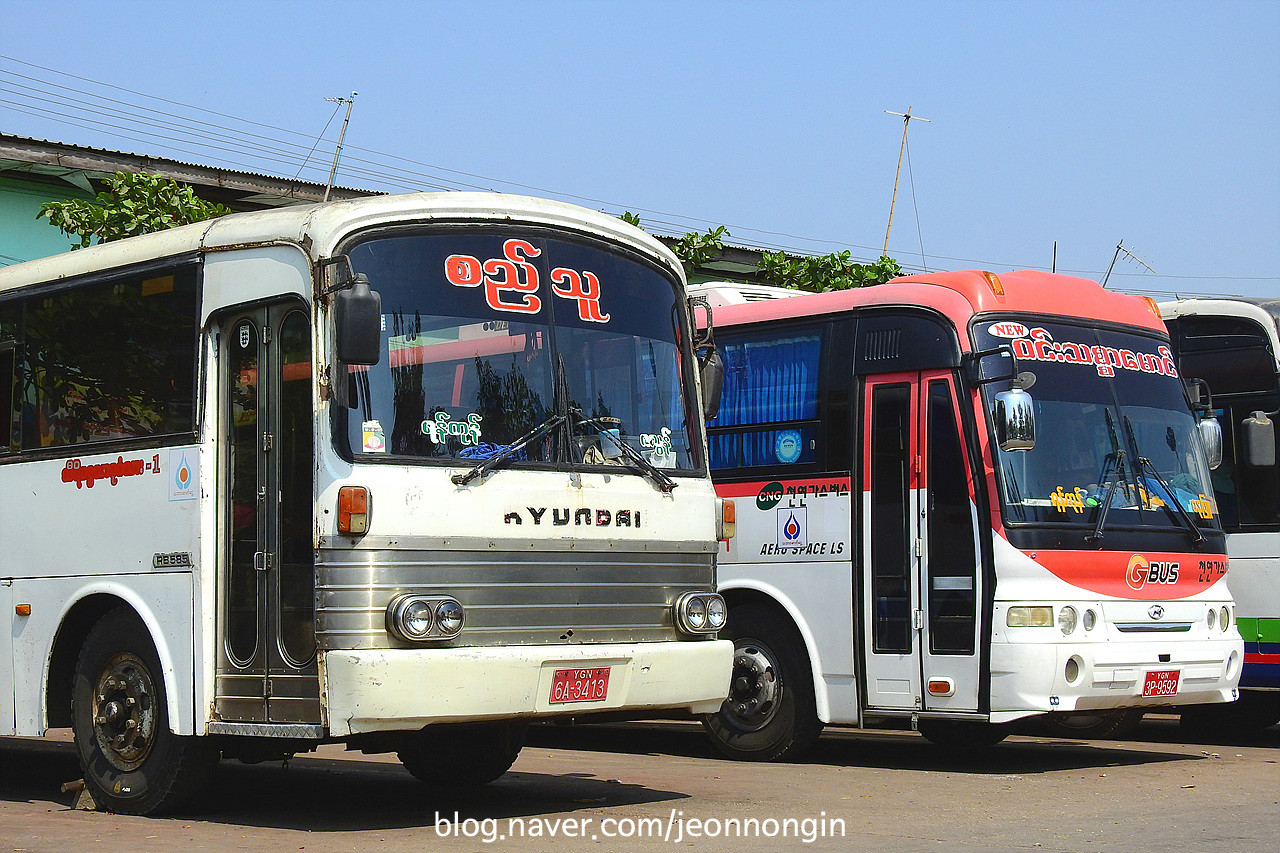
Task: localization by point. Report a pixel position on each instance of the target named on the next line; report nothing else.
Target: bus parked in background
(1232, 344)
(403, 472)
(963, 499)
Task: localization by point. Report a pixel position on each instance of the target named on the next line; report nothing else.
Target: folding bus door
(920, 586)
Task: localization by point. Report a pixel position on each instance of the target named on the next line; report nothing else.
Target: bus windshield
(489, 334)
(1113, 430)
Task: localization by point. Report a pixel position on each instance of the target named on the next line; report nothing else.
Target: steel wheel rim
(124, 712)
(755, 690)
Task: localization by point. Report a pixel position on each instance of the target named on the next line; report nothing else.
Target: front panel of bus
(1110, 558)
(533, 489)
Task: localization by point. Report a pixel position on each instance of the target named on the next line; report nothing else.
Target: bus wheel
(961, 736)
(132, 762)
(769, 714)
(465, 755)
(1094, 724)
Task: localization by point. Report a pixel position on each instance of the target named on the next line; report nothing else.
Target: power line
(197, 138)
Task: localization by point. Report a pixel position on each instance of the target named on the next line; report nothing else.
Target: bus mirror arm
(974, 361)
(1200, 398)
(710, 364)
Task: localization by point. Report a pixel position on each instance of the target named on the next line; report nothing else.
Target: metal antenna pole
(906, 123)
(350, 102)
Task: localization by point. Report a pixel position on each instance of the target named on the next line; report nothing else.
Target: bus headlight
(1090, 619)
(1213, 618)
(1029, 617)
(717, 613)
(1226, 618)
(449, 617)
(416, 618)
(700, 613)
(1067, 619)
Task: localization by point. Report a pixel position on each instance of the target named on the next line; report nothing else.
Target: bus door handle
(261, 561)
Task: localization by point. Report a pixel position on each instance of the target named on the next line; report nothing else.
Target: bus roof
(1253, 307)
(961, 295)
(321, 227)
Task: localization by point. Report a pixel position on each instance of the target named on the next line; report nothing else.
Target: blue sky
(1078, 122)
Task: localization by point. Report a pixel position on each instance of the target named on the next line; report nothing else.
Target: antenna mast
(350, 102)
(906, 123)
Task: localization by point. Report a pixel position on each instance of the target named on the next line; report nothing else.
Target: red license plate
(1161, 682)
(580, 685)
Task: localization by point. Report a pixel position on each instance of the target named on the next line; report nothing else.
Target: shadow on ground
(326, 795)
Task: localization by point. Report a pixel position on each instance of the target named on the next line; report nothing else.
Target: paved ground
(586, 788)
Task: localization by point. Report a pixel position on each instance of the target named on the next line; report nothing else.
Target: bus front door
(920, 584)
(266, 650)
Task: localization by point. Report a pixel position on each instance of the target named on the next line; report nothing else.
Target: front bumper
(1030, 678)
(405, 689)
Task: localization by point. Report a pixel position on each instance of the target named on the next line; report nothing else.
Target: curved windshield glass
(1112, 426)
(490, 334)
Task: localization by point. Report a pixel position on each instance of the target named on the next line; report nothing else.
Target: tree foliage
(825, 272)
(135, 203)
(816, 274)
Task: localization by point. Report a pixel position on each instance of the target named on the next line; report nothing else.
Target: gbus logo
(1142, 572)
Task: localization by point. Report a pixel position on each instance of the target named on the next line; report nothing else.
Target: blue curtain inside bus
(768, 381)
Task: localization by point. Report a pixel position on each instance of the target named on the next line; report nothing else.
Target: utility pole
(906, 123)
(350, 102)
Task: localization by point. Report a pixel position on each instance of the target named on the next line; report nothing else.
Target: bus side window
(7, 395)
(769, 404)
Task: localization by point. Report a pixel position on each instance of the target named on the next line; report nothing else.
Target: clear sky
(1084, 123)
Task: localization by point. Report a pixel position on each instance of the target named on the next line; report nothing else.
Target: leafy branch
(816, 274)
(135, 203)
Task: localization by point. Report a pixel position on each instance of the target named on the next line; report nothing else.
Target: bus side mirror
(711, 374)
(710, 364)
(1015, 416)
(1211, 439)
(357, 313)
(1258, 441)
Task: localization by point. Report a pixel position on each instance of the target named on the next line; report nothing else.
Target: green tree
(821, 273)
(816, 274)
(135, 203)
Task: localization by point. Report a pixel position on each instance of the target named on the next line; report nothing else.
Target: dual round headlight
(701, 613)
(417, 618)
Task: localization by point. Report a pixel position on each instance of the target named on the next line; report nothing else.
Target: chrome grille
(510, 598)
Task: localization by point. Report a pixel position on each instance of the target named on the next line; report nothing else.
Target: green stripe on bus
(1266, 630)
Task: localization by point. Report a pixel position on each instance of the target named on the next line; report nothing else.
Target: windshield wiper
(665, 483)
(1144, 464)
(510, 450)
(1114, 460)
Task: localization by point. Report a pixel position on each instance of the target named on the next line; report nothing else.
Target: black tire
(132, 762)
(464, 755)
(770, 713)
(962, 736)
(1094, 725)
(1254, 711)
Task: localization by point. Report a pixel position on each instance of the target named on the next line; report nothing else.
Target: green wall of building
(23, 237)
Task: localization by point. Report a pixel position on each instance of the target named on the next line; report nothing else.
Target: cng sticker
(769, 496)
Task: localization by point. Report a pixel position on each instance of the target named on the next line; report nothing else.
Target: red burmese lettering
(463, 271)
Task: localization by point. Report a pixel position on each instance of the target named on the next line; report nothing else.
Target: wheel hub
(755, 688)
(124, 713)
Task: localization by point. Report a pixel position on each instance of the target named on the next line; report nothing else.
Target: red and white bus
(963, 499)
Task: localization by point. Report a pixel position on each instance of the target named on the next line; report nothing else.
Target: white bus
(963, 499)
(1232, 344)
(403, 472)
